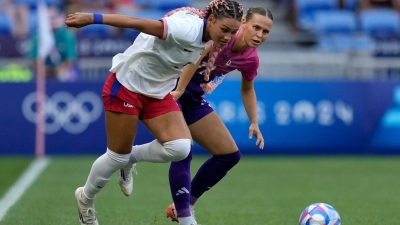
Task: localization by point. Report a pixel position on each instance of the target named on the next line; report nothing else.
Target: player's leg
(121, 131)
(155, 151)
(171, 128)
(158, 151)
(211, 133)
(164, 120)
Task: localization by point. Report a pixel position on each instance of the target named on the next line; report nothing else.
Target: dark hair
(220, 9)
(258, 10)
(224, 9)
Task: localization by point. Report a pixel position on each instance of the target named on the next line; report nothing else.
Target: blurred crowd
(21, 14)
(19, 18)
(292, 7)
(331, 25)
(342, 25)
(369, 4)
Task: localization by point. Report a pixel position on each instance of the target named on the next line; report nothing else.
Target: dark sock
(211, 172)
(180, 183)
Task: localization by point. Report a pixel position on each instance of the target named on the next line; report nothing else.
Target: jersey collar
(204, 30)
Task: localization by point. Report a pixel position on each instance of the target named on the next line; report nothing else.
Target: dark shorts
(193, 105)
(195, 113)
(117, 98)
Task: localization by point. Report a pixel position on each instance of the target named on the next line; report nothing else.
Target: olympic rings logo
(64, 111)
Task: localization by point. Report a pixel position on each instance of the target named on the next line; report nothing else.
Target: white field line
(23, 183)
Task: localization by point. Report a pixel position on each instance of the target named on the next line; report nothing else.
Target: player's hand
(79, 19)
(177, 94)
(255, 130)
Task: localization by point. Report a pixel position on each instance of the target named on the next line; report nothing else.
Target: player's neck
(240, 44)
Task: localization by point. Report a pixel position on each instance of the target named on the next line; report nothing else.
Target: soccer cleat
(171, 213)
(87, 214)
(125, 179)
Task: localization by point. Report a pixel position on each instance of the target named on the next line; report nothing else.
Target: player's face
(222, 30)
(256, 30)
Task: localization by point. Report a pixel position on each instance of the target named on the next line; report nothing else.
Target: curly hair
(219, 9)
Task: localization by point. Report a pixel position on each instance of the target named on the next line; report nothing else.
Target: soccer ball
(319, 214)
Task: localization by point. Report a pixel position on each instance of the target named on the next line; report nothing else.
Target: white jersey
(150, 66)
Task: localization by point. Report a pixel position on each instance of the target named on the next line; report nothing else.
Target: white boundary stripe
(23, 183)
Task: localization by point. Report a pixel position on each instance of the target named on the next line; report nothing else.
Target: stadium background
(328, 91)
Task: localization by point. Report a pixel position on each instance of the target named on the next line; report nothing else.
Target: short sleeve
(249, 71)
(182, 27)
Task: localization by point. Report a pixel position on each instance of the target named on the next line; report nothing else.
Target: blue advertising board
(312, 117)
(74, 119)
(294, 117)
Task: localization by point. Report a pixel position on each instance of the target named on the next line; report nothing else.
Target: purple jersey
(246, 62)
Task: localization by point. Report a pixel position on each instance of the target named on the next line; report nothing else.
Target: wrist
(180, 89)
(97, 18)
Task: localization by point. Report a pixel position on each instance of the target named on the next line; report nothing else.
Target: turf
(259, 190)
(10, 169)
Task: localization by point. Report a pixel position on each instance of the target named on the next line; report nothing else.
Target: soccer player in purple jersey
(241, 54)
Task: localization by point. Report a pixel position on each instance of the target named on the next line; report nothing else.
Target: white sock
(186, 220)
(150, 152)
(157, 152)
(102, 170)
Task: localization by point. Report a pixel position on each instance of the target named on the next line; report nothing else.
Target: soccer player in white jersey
(138, 88)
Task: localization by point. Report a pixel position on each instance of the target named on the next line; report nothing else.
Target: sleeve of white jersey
(182, 27)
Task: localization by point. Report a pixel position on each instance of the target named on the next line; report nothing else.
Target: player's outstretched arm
(187, 75)
(151, 27)
(249, 99)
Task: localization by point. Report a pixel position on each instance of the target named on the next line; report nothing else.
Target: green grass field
(10, 170)
(259, 191)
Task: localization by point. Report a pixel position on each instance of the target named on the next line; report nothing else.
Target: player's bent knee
(234, 157)
(178, 149)
(229, 160)
(237, 156)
